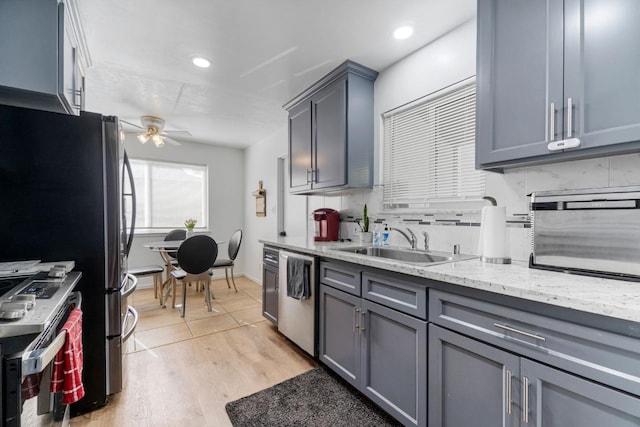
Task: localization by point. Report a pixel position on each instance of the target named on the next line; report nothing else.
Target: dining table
(164, 247)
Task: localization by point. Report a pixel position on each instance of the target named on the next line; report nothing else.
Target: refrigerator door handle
(131, 312)
(132, 185)
(126, 291)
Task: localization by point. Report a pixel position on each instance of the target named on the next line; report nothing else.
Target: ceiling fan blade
(172, 141)
(132, 124)
(178, 133)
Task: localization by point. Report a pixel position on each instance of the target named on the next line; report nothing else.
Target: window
(429, 150)
(169, 193)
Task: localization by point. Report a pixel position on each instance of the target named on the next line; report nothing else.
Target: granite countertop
(614, 298)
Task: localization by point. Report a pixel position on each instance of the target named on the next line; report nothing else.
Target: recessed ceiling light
(201, 62)
(402, 33)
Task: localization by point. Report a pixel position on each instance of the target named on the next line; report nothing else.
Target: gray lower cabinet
(472, 383)
(270, 278)
(340, 333)
(378, 350)
(552, 71)
(558, 399)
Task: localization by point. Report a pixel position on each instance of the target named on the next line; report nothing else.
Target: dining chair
(227, 264)
(177, 234)
(195, 257)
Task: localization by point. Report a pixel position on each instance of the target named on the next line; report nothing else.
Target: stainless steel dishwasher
(297, 318)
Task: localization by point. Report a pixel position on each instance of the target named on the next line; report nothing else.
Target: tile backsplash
(460, 224)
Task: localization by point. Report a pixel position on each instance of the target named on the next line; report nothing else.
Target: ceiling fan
(153, 129)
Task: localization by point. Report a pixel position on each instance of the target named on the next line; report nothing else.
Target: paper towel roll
(493, 232)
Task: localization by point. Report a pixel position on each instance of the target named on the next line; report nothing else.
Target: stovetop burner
(8, 283)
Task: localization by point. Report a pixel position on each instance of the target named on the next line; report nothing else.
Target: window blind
(429, 150)
(169, 193)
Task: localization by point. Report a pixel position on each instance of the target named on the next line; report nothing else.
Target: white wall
(261, 164)
(226, 193)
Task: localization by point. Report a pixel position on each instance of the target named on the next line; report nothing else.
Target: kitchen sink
(413, 256)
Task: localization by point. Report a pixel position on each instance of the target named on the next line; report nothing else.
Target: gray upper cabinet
(556, 80)
(331, 132)
(43, 66)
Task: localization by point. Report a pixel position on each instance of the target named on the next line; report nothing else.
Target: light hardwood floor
(182, 371)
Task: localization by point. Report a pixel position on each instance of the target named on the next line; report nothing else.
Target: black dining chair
(195, 256)
(177, 234)
(227, 264)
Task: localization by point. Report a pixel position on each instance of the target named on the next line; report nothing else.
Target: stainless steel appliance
(592, 231)
(68, 194)
(33, 310)
(296, 318)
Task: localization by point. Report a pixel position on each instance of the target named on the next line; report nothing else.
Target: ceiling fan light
(143, 138)
(158, 140)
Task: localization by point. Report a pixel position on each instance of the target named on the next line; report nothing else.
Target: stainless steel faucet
(411, 239)
(426, 240)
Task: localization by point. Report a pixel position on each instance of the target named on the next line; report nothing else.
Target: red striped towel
(66, 374)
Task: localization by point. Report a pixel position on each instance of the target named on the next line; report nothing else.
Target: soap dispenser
(385, 236)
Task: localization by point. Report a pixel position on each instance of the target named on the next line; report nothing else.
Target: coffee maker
(327, 225)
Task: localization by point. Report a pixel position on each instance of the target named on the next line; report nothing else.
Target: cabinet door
(471, 383)
(394, 362)
(557, 399)
(270, 294)
(329, 139)
(339, 333)
(519, 78)
(602, 65)
(300, 147)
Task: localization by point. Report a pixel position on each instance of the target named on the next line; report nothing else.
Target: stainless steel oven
(30, 338)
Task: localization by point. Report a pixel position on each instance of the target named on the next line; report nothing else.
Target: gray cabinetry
(340, 334)
(550, 73)
(590, 377)
(270, 276)
(331, 132)
(481, 376)
(379, 350)
(43, 56)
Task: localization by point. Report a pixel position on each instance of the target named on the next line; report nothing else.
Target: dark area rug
(315, 398)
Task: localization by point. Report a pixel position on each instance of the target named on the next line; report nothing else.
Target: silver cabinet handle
(508, 376)
(569, 117)
(363, 312)
(309, 175)
(525, 399)
(355, 319)
(552, 122)
(517, 331)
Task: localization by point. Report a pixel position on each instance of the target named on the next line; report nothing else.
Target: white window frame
(425, 164)
(144, 195)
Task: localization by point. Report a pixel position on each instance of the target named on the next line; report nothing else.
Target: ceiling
(262, 53)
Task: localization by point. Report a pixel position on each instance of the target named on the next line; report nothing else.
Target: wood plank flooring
(182, 371)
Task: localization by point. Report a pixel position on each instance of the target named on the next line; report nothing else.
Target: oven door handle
(35, 361)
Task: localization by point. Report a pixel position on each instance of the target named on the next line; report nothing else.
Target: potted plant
(365, 235)
(189, 225)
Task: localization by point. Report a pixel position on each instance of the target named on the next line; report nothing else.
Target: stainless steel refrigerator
(67, 194)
